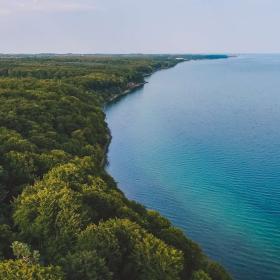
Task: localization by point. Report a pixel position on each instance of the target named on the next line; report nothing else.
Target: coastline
(222, 272)
(68, 114)
(131, 89)
(117, 97)
(135, 87)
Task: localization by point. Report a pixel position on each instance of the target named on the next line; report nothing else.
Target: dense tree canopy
(27, 266)
(61, 215)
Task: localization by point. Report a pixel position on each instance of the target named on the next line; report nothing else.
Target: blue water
(201, 144)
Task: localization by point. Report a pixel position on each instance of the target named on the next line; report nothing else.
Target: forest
(62, 216)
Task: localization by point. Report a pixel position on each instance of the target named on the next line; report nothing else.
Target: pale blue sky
(146, 26)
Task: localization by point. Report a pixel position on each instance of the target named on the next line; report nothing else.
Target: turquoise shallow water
(201, 144)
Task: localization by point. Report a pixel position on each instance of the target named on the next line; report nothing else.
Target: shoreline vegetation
(62, 216)
(130, 88)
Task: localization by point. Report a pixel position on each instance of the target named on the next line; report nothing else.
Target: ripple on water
(201, 144)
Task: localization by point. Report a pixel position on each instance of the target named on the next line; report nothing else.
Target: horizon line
(136, 53)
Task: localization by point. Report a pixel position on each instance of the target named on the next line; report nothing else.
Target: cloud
(20, 6)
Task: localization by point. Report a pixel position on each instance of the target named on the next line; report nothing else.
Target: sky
(134, 26)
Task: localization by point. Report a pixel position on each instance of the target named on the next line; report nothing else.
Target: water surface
(201, 144)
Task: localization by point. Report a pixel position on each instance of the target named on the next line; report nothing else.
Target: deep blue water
(201, 144)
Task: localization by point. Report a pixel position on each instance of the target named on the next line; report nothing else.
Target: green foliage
(217, 272)
(27, 266)
(6, 238)
(20, 270)
(194, 258)
(86, 265)
(23, 251)
(200, 275)
(131, 252)
(50, 218)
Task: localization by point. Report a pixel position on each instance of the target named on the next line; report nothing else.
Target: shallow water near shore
(200, 143)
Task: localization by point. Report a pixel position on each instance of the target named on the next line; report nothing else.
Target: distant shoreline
(136, 86)
(180, 59)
